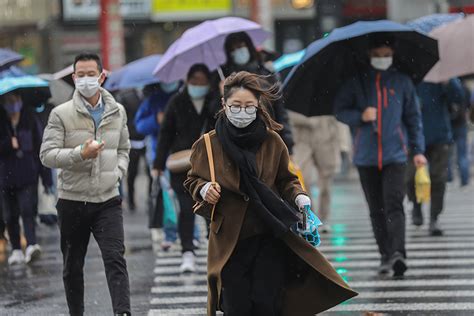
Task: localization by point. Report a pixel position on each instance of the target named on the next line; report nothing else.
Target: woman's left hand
(302, 201)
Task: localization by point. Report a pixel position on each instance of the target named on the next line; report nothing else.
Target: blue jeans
(460, 142)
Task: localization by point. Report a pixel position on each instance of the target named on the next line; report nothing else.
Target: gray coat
(70, 125)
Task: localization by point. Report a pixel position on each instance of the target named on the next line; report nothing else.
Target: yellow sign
(177, 6)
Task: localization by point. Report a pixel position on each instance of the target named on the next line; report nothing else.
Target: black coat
(182, 125)
(19, 168)
(131, 102)
(277, 111)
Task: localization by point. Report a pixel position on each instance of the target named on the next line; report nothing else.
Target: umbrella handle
(221, 73)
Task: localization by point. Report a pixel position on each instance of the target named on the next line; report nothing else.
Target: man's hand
(419, 160)
(91, 149)
(15, 144)
(213, 195)
(370, 114)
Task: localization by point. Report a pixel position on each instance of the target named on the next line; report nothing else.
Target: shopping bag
(170, 203)
(422, 185)
(295, 169)
(308, 226)
(47, 206)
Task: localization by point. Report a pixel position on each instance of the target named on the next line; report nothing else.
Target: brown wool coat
(319, 287)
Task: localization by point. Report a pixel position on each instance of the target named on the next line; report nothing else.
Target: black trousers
(254, 277)
(384, 191)
(76, 222)
(2, 222)
(20, 202)
(438, 159)
(186, 215)
(135, 155)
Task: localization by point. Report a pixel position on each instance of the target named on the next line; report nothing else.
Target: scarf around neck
(241, 145)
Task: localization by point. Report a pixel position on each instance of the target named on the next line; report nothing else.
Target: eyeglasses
(250, 109)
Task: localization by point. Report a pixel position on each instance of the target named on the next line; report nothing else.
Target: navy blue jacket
(398, 127)
(145, 118)
(19, 168)
(435, 99)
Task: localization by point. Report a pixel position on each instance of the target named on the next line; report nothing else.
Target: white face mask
(87, 86)
(241, 119)
(381, 63)
(241, 56)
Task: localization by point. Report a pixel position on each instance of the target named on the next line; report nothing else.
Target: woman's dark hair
(263, 93)
(198, 68)
(239, 37)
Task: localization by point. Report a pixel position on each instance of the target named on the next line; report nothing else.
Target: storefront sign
(166, 10)
(89, 10)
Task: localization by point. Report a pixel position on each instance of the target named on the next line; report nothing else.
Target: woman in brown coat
(257, 265)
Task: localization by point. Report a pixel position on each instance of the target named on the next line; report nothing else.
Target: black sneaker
(399, 265)
(435, 230)
(417, 215)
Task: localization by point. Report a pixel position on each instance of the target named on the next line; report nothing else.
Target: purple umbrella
(8, 58)
(204, 44)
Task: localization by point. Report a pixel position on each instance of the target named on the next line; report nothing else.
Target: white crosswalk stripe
(440, 279)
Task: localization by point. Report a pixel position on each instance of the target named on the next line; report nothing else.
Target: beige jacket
(70, 125)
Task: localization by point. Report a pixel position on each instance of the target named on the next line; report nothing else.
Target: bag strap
(210, 158)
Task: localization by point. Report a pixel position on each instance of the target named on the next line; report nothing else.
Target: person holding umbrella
(20, 140)
(189, 114)
(242, 56)
(381, 107)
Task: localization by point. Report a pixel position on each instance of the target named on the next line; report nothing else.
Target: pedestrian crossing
(440, 279)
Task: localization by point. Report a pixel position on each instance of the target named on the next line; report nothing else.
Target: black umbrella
(311, 86)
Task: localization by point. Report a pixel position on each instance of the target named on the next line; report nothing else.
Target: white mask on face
(241, 56)
(241, 119)
(87, 86)
(381, 63)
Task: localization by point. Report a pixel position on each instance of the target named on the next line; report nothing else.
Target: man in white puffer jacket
(87, 140)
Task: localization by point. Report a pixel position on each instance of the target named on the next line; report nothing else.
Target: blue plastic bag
(310, 231)
(170, 203)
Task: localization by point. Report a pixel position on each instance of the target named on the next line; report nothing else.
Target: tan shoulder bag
(203, 208)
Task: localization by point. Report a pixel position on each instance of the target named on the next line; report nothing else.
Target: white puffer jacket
(70, 125)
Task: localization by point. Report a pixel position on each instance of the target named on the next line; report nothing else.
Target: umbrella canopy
(311, 86)
(61, 91)
(204, 44)
(428, 23)
(135, 74)
(34, 90)
(8, 58)
(456, 50)
(288, 60)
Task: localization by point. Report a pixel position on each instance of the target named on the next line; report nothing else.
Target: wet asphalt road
(440, 280)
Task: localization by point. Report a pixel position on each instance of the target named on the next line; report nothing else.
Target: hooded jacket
(69, 126)
(398, 127)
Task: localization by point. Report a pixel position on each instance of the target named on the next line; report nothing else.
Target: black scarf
(241, 145)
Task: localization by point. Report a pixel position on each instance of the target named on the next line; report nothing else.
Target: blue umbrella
(311, 86)
(135, 74)
(8, 58)
(428, 23)
(33, 90)
(288, 60)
